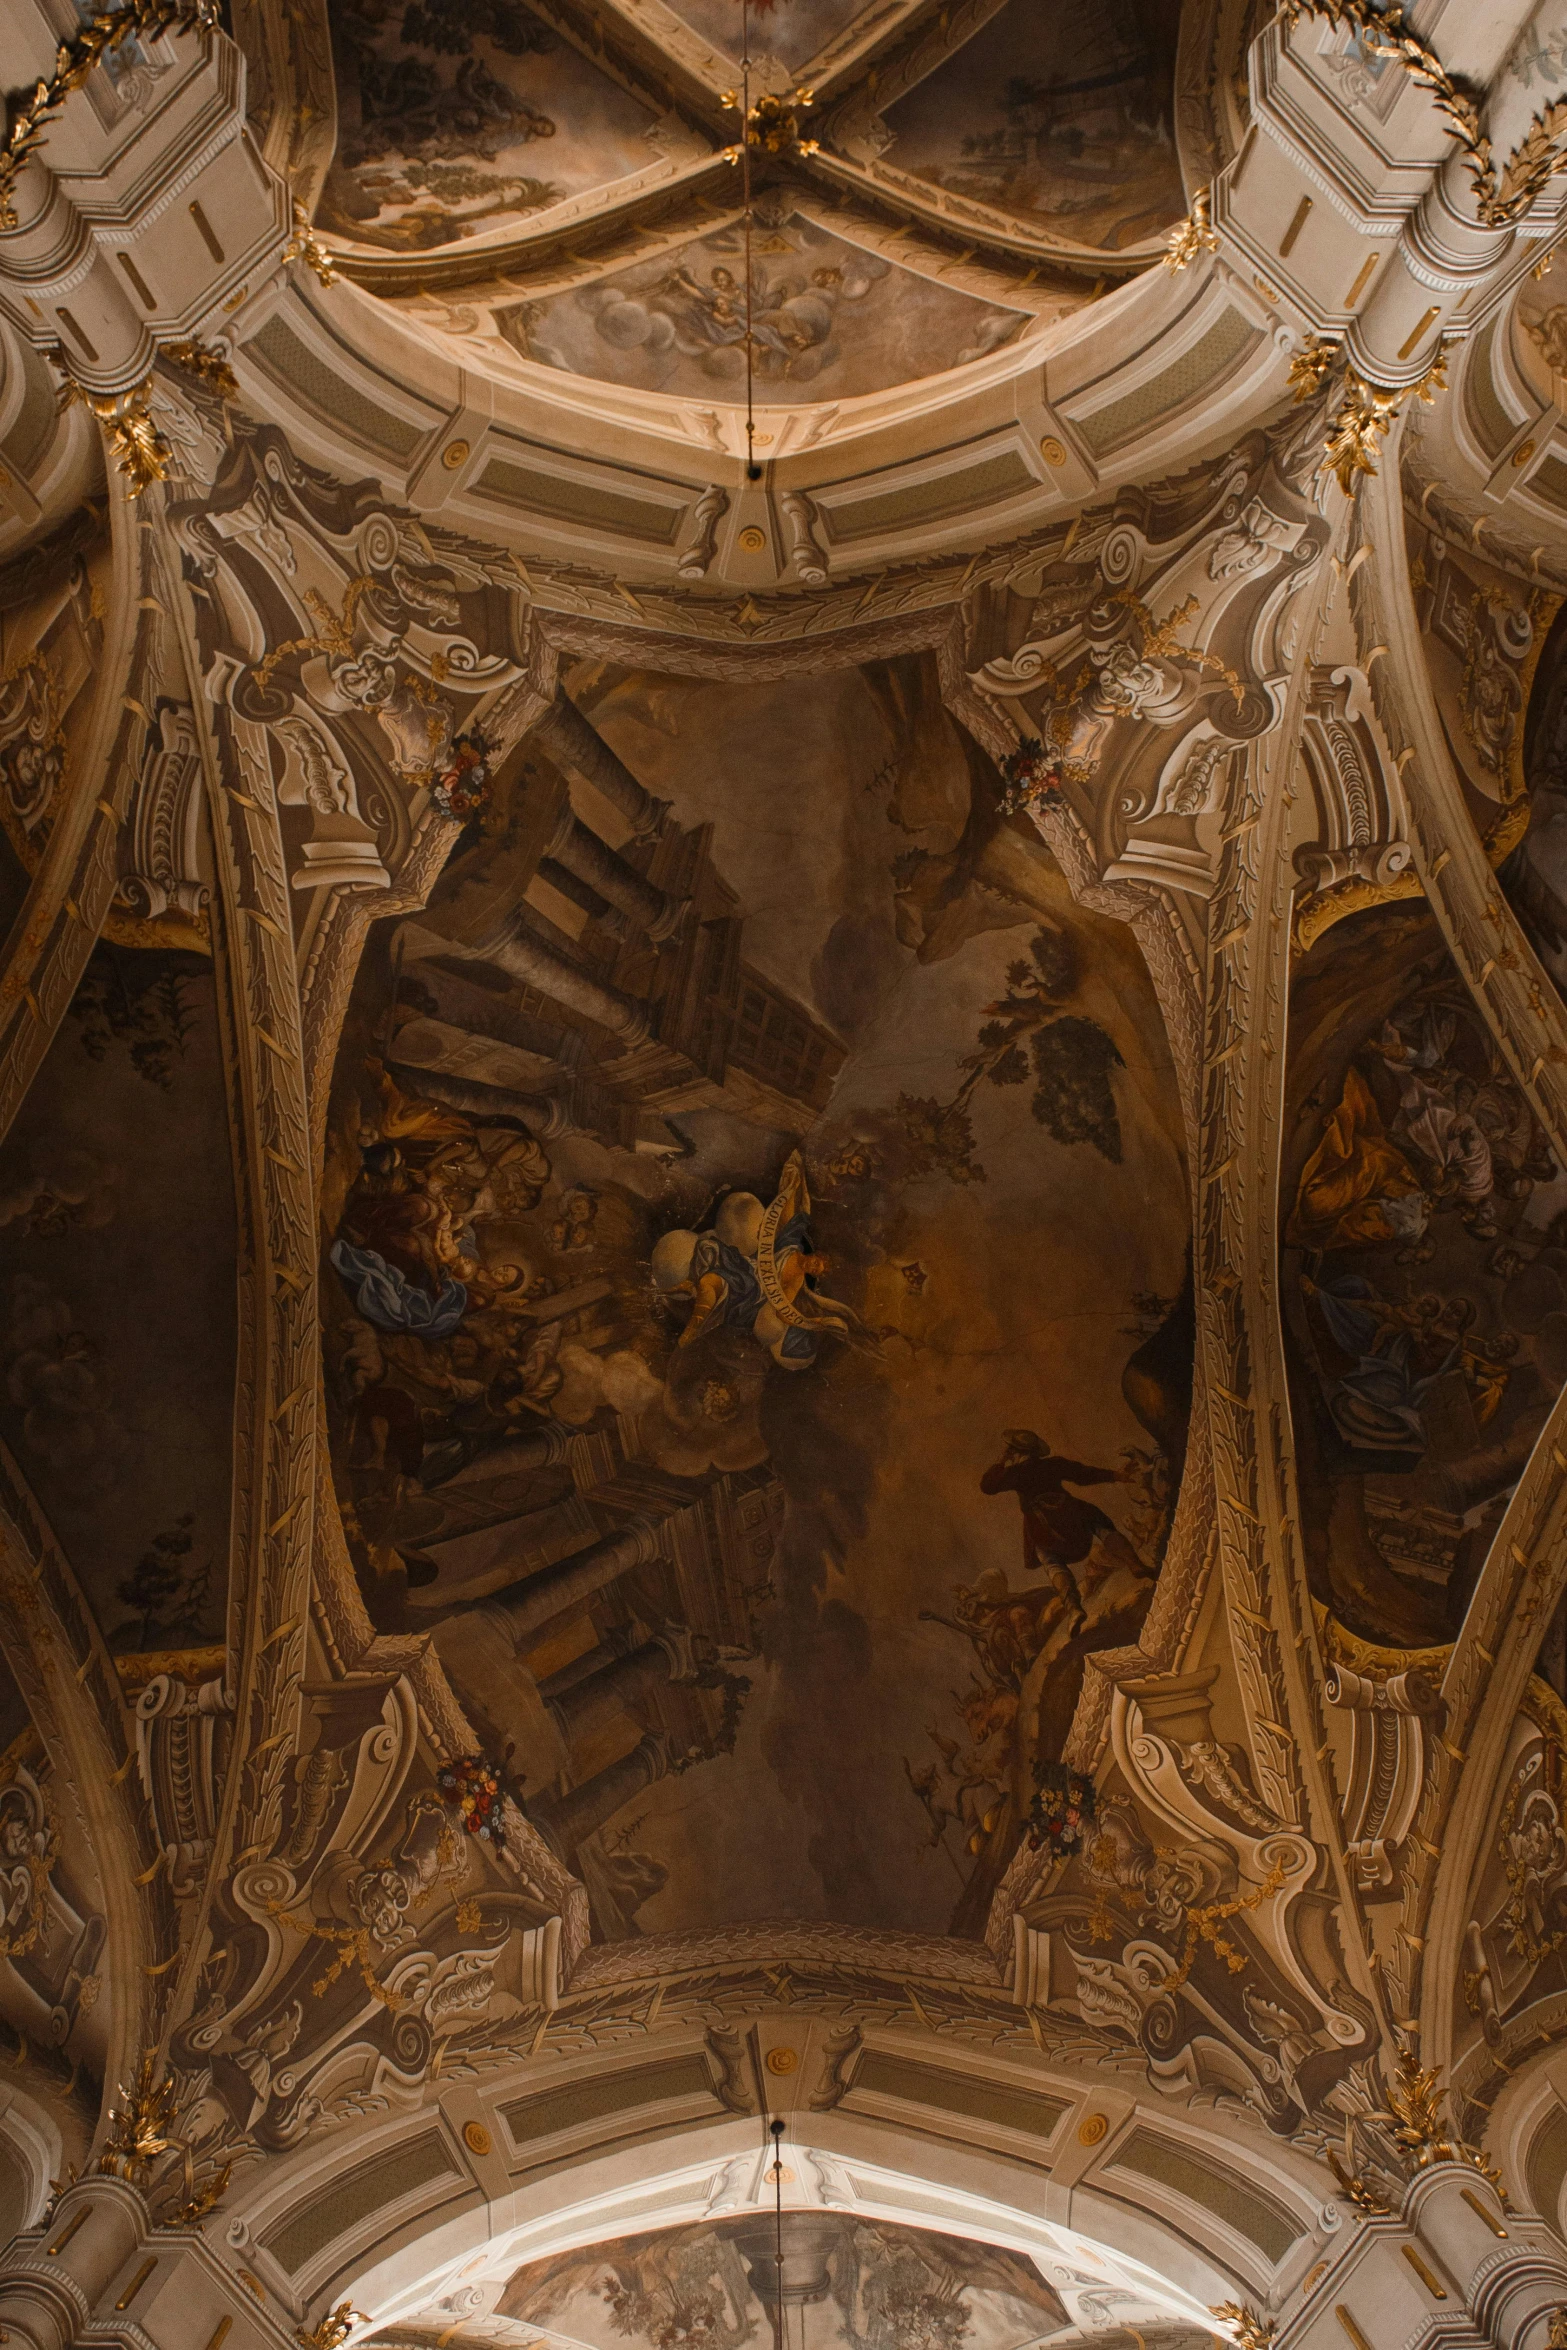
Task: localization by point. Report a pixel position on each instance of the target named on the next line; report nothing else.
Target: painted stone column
(583, 1809)
(577, 743)
(521, 1611)
(100, 2269)
(592, 861)
(1449, 2270)
(596, 1687)
(516, 949)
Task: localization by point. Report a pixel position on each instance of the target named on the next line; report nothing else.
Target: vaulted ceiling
(783, 1203)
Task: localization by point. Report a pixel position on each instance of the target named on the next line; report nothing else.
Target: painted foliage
(117, 1274)
(1424, 1229)
(455, 118)
(828, 318)
(857, 2285)
(756, 1323)
(1060, 116)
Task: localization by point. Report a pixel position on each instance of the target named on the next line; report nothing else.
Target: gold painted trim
(1436, 2291)
(1319, 914)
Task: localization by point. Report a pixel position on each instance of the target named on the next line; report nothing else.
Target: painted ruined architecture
(783, 1175)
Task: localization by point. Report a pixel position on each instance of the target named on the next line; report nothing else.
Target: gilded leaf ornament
(1502, 197)
(142, 20)
(1193, 235)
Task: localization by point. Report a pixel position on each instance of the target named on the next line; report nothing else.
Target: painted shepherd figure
(1059, 1529)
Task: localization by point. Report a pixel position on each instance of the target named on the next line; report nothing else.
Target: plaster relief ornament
(416, 721)
(32, 745)
(135, 21)
(1502, 196)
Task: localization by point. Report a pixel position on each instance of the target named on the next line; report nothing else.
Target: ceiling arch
(781, 1238)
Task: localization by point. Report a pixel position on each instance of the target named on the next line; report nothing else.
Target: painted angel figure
(756, 1271)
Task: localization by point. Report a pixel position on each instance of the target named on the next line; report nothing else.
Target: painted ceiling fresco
(456, 118)
(829, 319)
(1538, 329)
(1535, 874)
(51, 645)
(1059, 115)
(117, 1295)
(792, 31)
(1517, 1925)
(53, 1931)
(1424, 1225)
(846, 2284)
(1485, 637)
(757, 1331)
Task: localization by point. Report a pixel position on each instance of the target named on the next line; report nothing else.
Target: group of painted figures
(472, 1283)
(476, 1280)
(1085, 1587)
(1425, 1242)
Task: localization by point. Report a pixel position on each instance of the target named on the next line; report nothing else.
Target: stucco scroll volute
(342, 846)
(1176, 656)
(1195, 1924)
(315, 772)
(165, 872)
(1392, 1721)
(1361, 851)
(182, 1742)
(378, 1925)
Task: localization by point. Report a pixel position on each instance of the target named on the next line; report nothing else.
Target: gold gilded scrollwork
(1247, 2328)
(208, 366)
(141, 2126)
(304, 245)
(142, 452)
(333, 2330)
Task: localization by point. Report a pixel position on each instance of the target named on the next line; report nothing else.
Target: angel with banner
(757, 1272)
